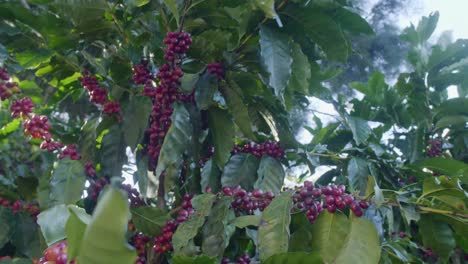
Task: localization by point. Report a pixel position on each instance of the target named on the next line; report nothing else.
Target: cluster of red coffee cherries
(57, 254)
(216, 68)
(7, 88)
(243, 259)
(165, 93)
(271, 148)
(36, 126)
(332, 198)
(139, 241)
(98, 185)
(18, 206)
(90, 170)
(247, 202)
(162, 243)
(435, 148)
(22, 107)
(141, 73)
(98, 94)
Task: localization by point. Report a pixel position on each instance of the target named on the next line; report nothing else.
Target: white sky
(453, 15)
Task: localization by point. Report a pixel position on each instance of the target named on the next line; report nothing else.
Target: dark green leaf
(276, 57)
(237, 107)
(222, 129)
(300, 70)
(437, 235)
(172, 6)
(357, 172)
(360, 128)
(240, 170)
(211, 176)
(135, 119)
(449, 167)
(26, 236)
(8, 225)
(270, 175)
(205, 89)
(178, 137)
(112, 152)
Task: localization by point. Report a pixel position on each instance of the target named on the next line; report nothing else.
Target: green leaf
(135, 119)
(268, 7)
(172, 6)
(437, 235)
(362, 244)
(33, 59)
(67, 182)
(187, 231)
(112, 154)
(87, 138)
(222, 130)
(215, 238)
(320, 27)
(8, 225)
(211, 176)
(360, 129)
(247, 220)
(300, 70)
(240, 170)
(449, 121)
(237, 108)
(357, 172)
(75, 229)
(52, 222)
(273, 232)
(449, 167)
(26, 236)
(439, 186)
(106, 231)
(426, 26)
(175, 143)
(205, 89)
(149, 220)
(270, 175)
(294, 258)
(10, 127)
(276, 57)
(352, 22)
(329, 232)
(181, 259)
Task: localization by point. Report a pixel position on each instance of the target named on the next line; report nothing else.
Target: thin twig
(161, 193)
(432, 210)
(116, 22)
(182, 19)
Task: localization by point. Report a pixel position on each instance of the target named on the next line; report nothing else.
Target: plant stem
(161, 193)
(117, 24)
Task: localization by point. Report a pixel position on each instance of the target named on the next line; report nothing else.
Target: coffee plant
(138, 131)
